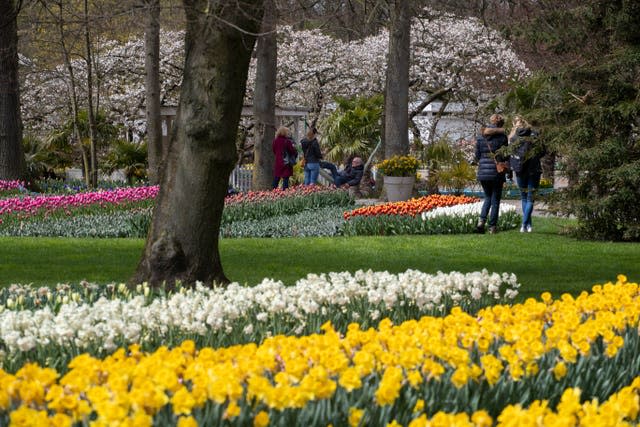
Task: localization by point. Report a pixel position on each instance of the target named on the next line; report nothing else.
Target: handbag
(289, 159)
(501, 167)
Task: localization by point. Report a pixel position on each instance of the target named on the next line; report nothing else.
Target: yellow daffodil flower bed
(506, 365)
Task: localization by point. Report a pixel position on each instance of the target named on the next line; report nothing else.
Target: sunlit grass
(543, 260)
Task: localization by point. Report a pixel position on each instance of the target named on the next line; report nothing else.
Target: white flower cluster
(458, 54)
(468, 209)
(108, 324)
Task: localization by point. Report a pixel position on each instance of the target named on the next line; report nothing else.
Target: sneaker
(523, 229)
(529, 229)
(480, 227)
(493, 229)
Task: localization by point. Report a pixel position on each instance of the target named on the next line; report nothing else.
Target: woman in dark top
(312, 156)
(487, 143)
(525, 162)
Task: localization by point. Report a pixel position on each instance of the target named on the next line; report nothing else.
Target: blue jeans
(492, 196)
(311, 172)
(285, 182)
(528, 186)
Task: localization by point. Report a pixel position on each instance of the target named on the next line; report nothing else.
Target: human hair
(497, 120)
(282, 131)
(311, 132)
(521, 122)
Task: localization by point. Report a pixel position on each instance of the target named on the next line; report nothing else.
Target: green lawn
(542, 260)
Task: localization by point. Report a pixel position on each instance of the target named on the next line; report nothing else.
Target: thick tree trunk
(12, 163)
(183, 240)
(396, 126)
(152, 85)
(264, 100)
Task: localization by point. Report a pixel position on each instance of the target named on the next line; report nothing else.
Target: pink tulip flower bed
(126, 212)
(24, 207)
(10, 185)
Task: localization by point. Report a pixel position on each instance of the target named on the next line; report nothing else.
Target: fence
(241, 177)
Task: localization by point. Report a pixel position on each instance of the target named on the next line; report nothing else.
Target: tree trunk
(12, 163)
(93, 178)
(73, 95)
(152, 85)
(396, 126)
(183, 240)
(264, 100)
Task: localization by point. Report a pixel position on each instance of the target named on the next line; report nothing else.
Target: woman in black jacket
(312, 156)
(525, 162)
(487, 144)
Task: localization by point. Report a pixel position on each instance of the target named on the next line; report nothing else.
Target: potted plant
(399, 176)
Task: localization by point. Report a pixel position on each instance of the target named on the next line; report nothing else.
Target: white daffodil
(108, 323)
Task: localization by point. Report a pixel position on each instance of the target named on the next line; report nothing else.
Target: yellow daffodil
(261, 419)
(355, 417)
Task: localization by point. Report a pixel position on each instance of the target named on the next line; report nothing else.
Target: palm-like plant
(128, 156)
(353, 128)
(45, 157)
(61, 140)
(447, 167)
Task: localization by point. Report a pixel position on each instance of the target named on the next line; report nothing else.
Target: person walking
(282, 170)
(525, 163)
(312, 156)
(492, 181)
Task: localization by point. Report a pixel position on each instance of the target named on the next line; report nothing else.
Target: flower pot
(399, 188)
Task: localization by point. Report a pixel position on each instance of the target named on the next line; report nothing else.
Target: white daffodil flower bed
(456, 219)
(236, 313)
(467, 210)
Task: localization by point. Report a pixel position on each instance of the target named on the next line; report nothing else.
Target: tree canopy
(589, 111)
(447, 52)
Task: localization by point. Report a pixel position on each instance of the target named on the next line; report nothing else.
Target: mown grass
(543, 260)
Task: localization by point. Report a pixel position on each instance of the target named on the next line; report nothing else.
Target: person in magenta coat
(280, 144)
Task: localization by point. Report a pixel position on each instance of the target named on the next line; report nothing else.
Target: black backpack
(519, 156)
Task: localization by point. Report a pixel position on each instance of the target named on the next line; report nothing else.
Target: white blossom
(202, 311)
(458, 54)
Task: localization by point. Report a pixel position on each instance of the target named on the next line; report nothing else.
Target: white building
(457, 121)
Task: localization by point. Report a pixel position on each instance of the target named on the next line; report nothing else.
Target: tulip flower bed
(111, 213)
(568, 361)
(410, 207)
(10, 188)
(258, 205)
(433, 214)
(17, 210)
(64, 322)
(322, 221)
(10, 185)
(296, 212)
(126, 212)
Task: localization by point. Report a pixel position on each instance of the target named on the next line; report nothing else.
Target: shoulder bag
(501, 167)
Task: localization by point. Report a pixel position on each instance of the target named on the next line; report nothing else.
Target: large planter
(399, 188)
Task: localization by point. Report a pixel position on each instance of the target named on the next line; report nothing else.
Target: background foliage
(589, 111)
